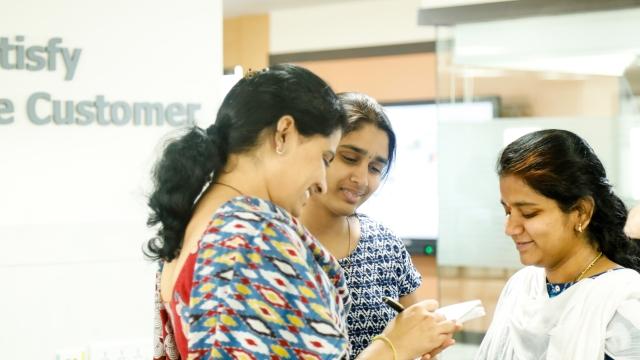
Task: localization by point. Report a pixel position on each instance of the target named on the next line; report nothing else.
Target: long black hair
(362, 109)
(562, 166)
(252, 106)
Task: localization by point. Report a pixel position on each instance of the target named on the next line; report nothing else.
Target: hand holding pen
(417, 330)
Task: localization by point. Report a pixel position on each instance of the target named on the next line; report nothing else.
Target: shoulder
(248, 217)
(623, 279)
(527, 273)
(523, 280)
(371, 228)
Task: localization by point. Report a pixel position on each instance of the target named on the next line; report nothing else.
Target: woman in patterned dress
(375, 259)
(240, 277)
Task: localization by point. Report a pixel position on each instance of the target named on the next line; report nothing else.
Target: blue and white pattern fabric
(379, 266)
(259, 287)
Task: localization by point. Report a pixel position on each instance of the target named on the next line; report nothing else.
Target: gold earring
(580, 227)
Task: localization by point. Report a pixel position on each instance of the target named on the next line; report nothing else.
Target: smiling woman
(580, 298)
(374, 258)
(240, 277)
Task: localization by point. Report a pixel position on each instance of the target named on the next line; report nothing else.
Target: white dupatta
(574, 325)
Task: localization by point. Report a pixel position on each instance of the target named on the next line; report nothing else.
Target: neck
(326, 226)
(567, 270)
(244, 176)
(237, 182)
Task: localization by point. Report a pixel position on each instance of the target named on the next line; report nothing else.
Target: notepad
(462, 312)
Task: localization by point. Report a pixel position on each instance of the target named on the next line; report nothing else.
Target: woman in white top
(579, 296)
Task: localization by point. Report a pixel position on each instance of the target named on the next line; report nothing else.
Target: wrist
(380, 348)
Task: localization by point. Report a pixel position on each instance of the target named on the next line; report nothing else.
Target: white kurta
(593, 316)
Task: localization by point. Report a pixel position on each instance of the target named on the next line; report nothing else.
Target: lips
(523, 245)
(351, 196)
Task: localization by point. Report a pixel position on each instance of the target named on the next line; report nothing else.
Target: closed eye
(375, 170)
(350, 159)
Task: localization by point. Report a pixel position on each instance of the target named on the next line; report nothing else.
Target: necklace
(588, 267)
(347, 260)
(230, 187)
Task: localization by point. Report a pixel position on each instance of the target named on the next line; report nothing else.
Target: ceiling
(246, 7)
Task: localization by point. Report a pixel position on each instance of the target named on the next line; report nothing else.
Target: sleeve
(409, 279)
(256, 295)
(623, 332)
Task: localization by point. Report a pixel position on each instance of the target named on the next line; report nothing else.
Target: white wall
(72, 204)
(353, 24)
(347, 25)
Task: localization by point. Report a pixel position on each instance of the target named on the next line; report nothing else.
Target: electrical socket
(123, 350)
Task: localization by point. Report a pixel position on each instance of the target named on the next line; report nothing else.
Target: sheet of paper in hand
(462, 312)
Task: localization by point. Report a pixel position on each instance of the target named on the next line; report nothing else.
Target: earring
(279, 150)
(580, 227)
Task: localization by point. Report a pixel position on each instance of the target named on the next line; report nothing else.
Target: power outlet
(72, 354)
(125, 350)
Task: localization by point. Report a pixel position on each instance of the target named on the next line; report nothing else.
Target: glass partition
(578, 72)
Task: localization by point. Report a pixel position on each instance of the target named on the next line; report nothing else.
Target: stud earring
(580, 227)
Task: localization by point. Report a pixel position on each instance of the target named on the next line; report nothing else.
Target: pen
(393, 304)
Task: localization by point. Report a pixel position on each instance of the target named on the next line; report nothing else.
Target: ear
(584, 208)
(285, 133)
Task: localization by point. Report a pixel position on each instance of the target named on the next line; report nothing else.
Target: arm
(414, 332)
(163, 344)
(623, 332)
(409, 279)
(409, 299)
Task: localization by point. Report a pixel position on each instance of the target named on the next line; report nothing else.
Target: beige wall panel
(246, 42)
(427, 267)
(386, 78)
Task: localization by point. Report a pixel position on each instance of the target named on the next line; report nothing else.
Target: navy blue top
(379, 266)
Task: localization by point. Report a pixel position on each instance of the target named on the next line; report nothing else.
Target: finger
(447, 326)
(439, 349)
(429, 304)
(439, 317)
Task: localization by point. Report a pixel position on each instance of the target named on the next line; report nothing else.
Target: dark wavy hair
(362, 109)
(562, 166)
(254, 105)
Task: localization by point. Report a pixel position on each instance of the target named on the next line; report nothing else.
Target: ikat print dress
(259, 287)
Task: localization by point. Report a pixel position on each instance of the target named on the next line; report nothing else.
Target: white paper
(462, 312)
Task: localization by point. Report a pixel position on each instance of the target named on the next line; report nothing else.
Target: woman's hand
(432, 355)
(419, 331)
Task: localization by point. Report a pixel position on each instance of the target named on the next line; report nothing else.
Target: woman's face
(301, 170)
(356, 172)
(542, 233)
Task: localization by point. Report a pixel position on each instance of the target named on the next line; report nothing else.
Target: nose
(359, 175)
(512, 227)
(320, 187)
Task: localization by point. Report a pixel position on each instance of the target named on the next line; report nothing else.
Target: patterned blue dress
(379, 266)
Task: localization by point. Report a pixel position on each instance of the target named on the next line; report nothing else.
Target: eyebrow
(364, 152)
(519, 203)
